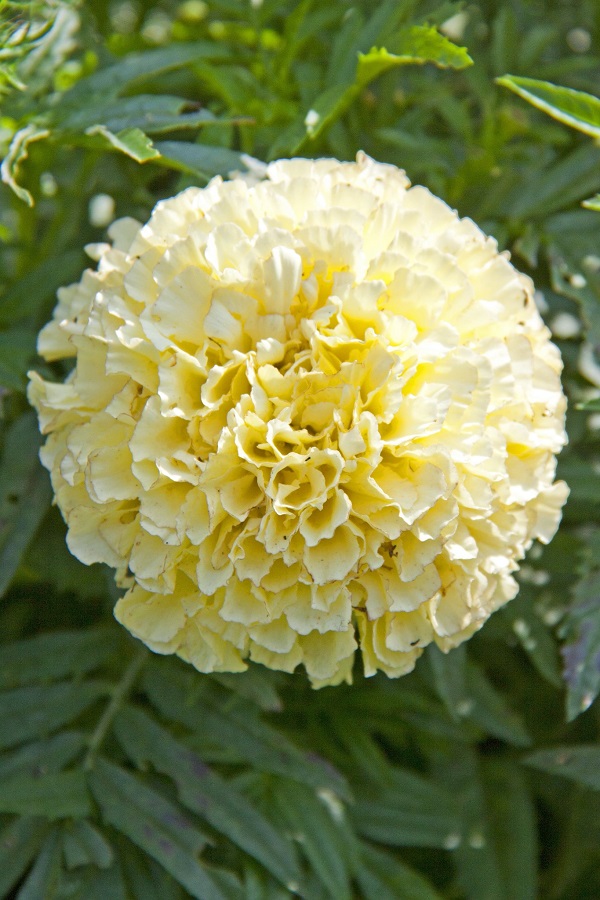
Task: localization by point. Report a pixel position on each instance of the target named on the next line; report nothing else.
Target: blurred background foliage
(124, 775)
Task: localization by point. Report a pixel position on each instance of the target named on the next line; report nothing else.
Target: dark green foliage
(132, 777)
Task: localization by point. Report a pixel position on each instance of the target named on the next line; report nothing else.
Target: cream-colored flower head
(309, 414)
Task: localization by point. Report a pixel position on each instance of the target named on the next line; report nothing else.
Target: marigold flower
(307, 414)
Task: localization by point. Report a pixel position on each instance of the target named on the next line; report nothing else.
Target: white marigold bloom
(310, 414)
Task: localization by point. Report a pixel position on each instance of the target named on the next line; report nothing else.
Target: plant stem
(119, 695)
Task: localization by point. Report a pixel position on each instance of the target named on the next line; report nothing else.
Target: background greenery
(124, 775)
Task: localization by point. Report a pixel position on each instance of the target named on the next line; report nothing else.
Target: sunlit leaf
(131, 141)
(17, 153)
(574, 108)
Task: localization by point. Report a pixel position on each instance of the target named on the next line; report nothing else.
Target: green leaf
(29, 296)
(142, 111)
(55, 796)
(593, 203)
(589, 405)
(54, 655)
(119, 77)
(511, 816)
(156, 825)
(29, 712)
(534, 636)
(145, 878)
(256, 685)
(90, 883)
(574, 108)
(24, 494)
(16, 154)
(489, 709)
(383, 877)
(17, 352)
(407, 811)
(131, 141)
(255, 742)
(84, 844)
(581, 651)
(469, 696)
(19, 844)
(200, 160)
(42, 757)
(356, 36)
(205, 793)
(320, 828)
(418, 44)
(558, 186)
(43, 878)
(450, 679)
(578, 762)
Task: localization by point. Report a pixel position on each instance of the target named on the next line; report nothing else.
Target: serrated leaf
(156, 825)
(131, 141)
(256, 742)
(24, 494)
(578, 762)
(200, 160)
(19, 843)
(383, 877)
(575, 108)
(581, 651)
(407, 811)
(357, 36)
(83, 844)
(322, 833)
(205, 793)
(54, 655)
(29, 712)
(45, 873)
(16, 154)
(415, 45)
(42, 757)
(57, 795)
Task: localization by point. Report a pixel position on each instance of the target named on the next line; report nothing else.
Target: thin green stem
(119, 696)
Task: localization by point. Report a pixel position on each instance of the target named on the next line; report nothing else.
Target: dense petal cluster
(306, 414)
